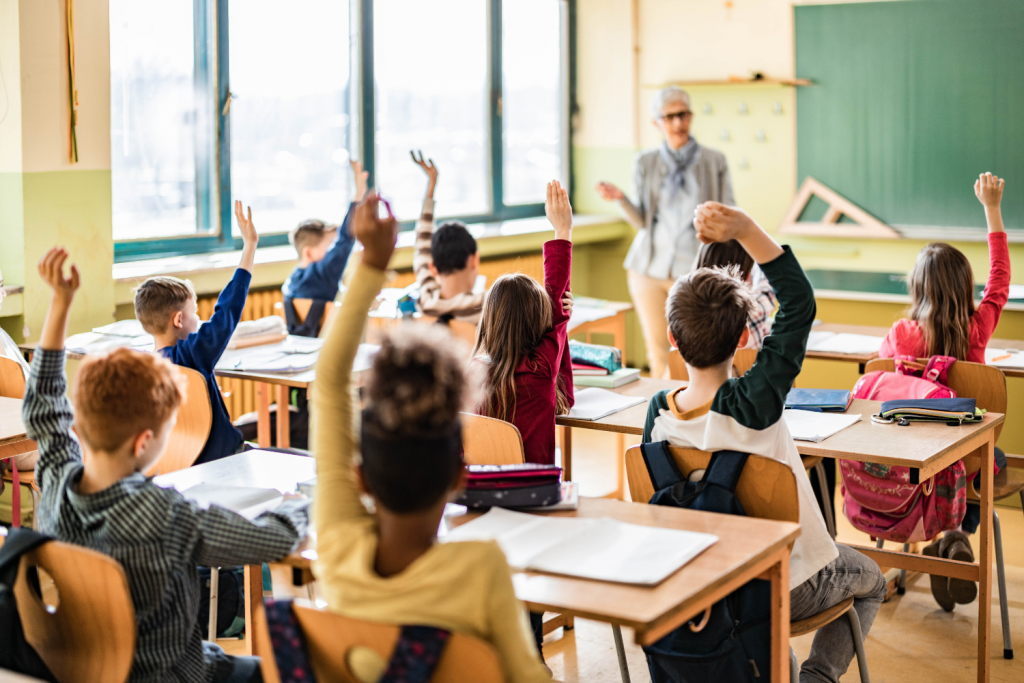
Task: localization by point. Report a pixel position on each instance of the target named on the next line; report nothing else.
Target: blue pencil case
(949, 410)
(607, 357)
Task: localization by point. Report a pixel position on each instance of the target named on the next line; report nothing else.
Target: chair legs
(858, 645)
(214, 589)
(901, 585)
(620, 650)
(794, 668)
(826, 495)
(1004, 610)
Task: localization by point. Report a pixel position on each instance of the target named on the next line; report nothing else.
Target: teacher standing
(670, 182)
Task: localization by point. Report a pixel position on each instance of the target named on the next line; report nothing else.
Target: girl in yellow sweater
(387, 566)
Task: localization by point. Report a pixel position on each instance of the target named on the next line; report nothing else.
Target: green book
(609, 381)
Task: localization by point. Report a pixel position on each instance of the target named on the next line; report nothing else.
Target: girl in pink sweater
(943, 320)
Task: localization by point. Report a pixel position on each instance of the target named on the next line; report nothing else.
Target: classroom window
(216, 100)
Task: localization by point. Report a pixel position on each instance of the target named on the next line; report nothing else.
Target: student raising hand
(249, 236)
(716, 222)
(559, 211)
(429, 167)
(376, 234)
(989, 191)
(51, 269)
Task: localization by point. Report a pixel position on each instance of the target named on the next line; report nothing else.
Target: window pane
(290, 122)
(152, 119)
(430, 62)
(532, 62)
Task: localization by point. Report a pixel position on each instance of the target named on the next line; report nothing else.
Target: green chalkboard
(910, 102)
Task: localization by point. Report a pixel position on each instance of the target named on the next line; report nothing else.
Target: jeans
(849, 575)
(231, 669)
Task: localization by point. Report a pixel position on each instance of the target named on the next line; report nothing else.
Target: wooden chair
(488, 441)
(767, 489)
(986, 384)
(302, 307)
(742, 362)
(90, 636)
(460, 329)
(344, 650)
(12, 379)
(195, 417)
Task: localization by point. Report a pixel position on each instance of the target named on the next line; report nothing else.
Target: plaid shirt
(157, 535)
(760, 321)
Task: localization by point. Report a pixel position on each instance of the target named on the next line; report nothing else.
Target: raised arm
(332, 266)
(221, 538)
(989, 190)
(422, 257)
(758, 398)
(554, 346)
(337, 498)
(46, 409)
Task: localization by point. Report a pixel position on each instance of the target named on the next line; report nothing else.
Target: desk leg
(619, 323)
(985, 562)
(566, 453)
(284, 437)
(620, 466)
(263, 414)
(779, 573)
(253, 577)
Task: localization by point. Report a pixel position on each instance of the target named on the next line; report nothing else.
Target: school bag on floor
(879, 499)
(735, 643)
(15, 652)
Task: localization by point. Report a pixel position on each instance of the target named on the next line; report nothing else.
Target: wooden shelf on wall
(734, 80)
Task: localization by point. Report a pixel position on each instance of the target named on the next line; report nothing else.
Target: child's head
(707, 313)
(164, 304)
(312, 239)
(453, 251)
(724, 255)
(516, 315)
(941, 286)
(411, 432)
(126, 403)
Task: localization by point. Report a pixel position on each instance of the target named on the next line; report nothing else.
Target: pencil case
(954, 411)
(512, 497)
(607, 357)
(511, 476)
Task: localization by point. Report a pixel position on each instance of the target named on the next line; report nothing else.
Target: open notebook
(824, 341)
(593, 403)
(603, 549)
(806, 425)
(247, 501)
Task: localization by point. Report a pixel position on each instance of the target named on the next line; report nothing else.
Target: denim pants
(849, 575)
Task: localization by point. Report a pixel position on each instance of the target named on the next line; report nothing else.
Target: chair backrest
(90, 636)
(489, 441)
(336, 645)
(302, 307)
(767, 488)
(195, 417)
(12, 379)
(677, 366)
(741, 362)
(986, 384)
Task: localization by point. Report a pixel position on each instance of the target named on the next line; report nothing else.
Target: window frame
(213, 199)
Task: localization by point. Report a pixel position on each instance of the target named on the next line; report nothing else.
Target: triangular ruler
(864, 225)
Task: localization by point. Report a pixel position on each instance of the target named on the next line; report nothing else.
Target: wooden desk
(614, 325)
(260, 469)
(748, 548)
(620, 423)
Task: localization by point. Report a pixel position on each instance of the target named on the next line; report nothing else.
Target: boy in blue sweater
(323, 254)
(166, 307)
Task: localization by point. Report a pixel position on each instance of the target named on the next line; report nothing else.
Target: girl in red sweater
(523, 339)
(944, 322)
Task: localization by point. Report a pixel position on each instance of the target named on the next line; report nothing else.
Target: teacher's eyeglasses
(681, 115)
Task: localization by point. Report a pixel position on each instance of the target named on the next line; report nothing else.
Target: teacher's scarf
(679, 162)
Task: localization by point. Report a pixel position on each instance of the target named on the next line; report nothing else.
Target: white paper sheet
(594, 403)
(247, 501)
(844, 343)
(587, 314)
(122, 328)
(603, 549)
(1017, 291)
(91, 343)
(807, 425)
(1015, 359)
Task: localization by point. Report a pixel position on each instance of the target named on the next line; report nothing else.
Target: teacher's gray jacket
(649, 173)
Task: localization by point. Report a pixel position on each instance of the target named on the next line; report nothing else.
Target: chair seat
(1007, 482)
(810, 624)
(810, 461)
(27, 478)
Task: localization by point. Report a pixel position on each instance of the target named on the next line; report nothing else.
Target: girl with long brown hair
(523, 341)
(944, 322)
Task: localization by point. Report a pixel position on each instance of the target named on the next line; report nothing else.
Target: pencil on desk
(1003, 357)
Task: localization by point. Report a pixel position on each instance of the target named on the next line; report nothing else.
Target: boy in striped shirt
(125, 406)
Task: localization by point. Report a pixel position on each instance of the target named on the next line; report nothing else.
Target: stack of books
(593, 376)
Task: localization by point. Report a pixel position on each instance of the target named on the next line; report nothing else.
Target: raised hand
(376, 234)
(361, 177)
(716, 222)
(51, 269)
(609, 192)
(567, 303)
(989, 190)
(245, 225)
(429, 167)
(559, 211)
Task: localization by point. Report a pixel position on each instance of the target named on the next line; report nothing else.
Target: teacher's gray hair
(672, 93)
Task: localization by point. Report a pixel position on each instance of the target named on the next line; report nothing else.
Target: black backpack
(735, 644)
(15, 653)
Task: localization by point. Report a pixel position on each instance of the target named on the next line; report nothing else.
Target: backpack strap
(288, 643)
(660, 465)
(725, 469)
(416, 655)
(19, 541)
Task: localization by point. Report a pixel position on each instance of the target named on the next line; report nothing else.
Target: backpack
(735, 643)
(230, 601)
(879, 499)
(15, 653)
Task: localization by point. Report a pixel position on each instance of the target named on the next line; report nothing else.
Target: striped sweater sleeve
(462, 305)
(757, 399)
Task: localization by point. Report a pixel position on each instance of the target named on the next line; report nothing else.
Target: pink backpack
(879, 499)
